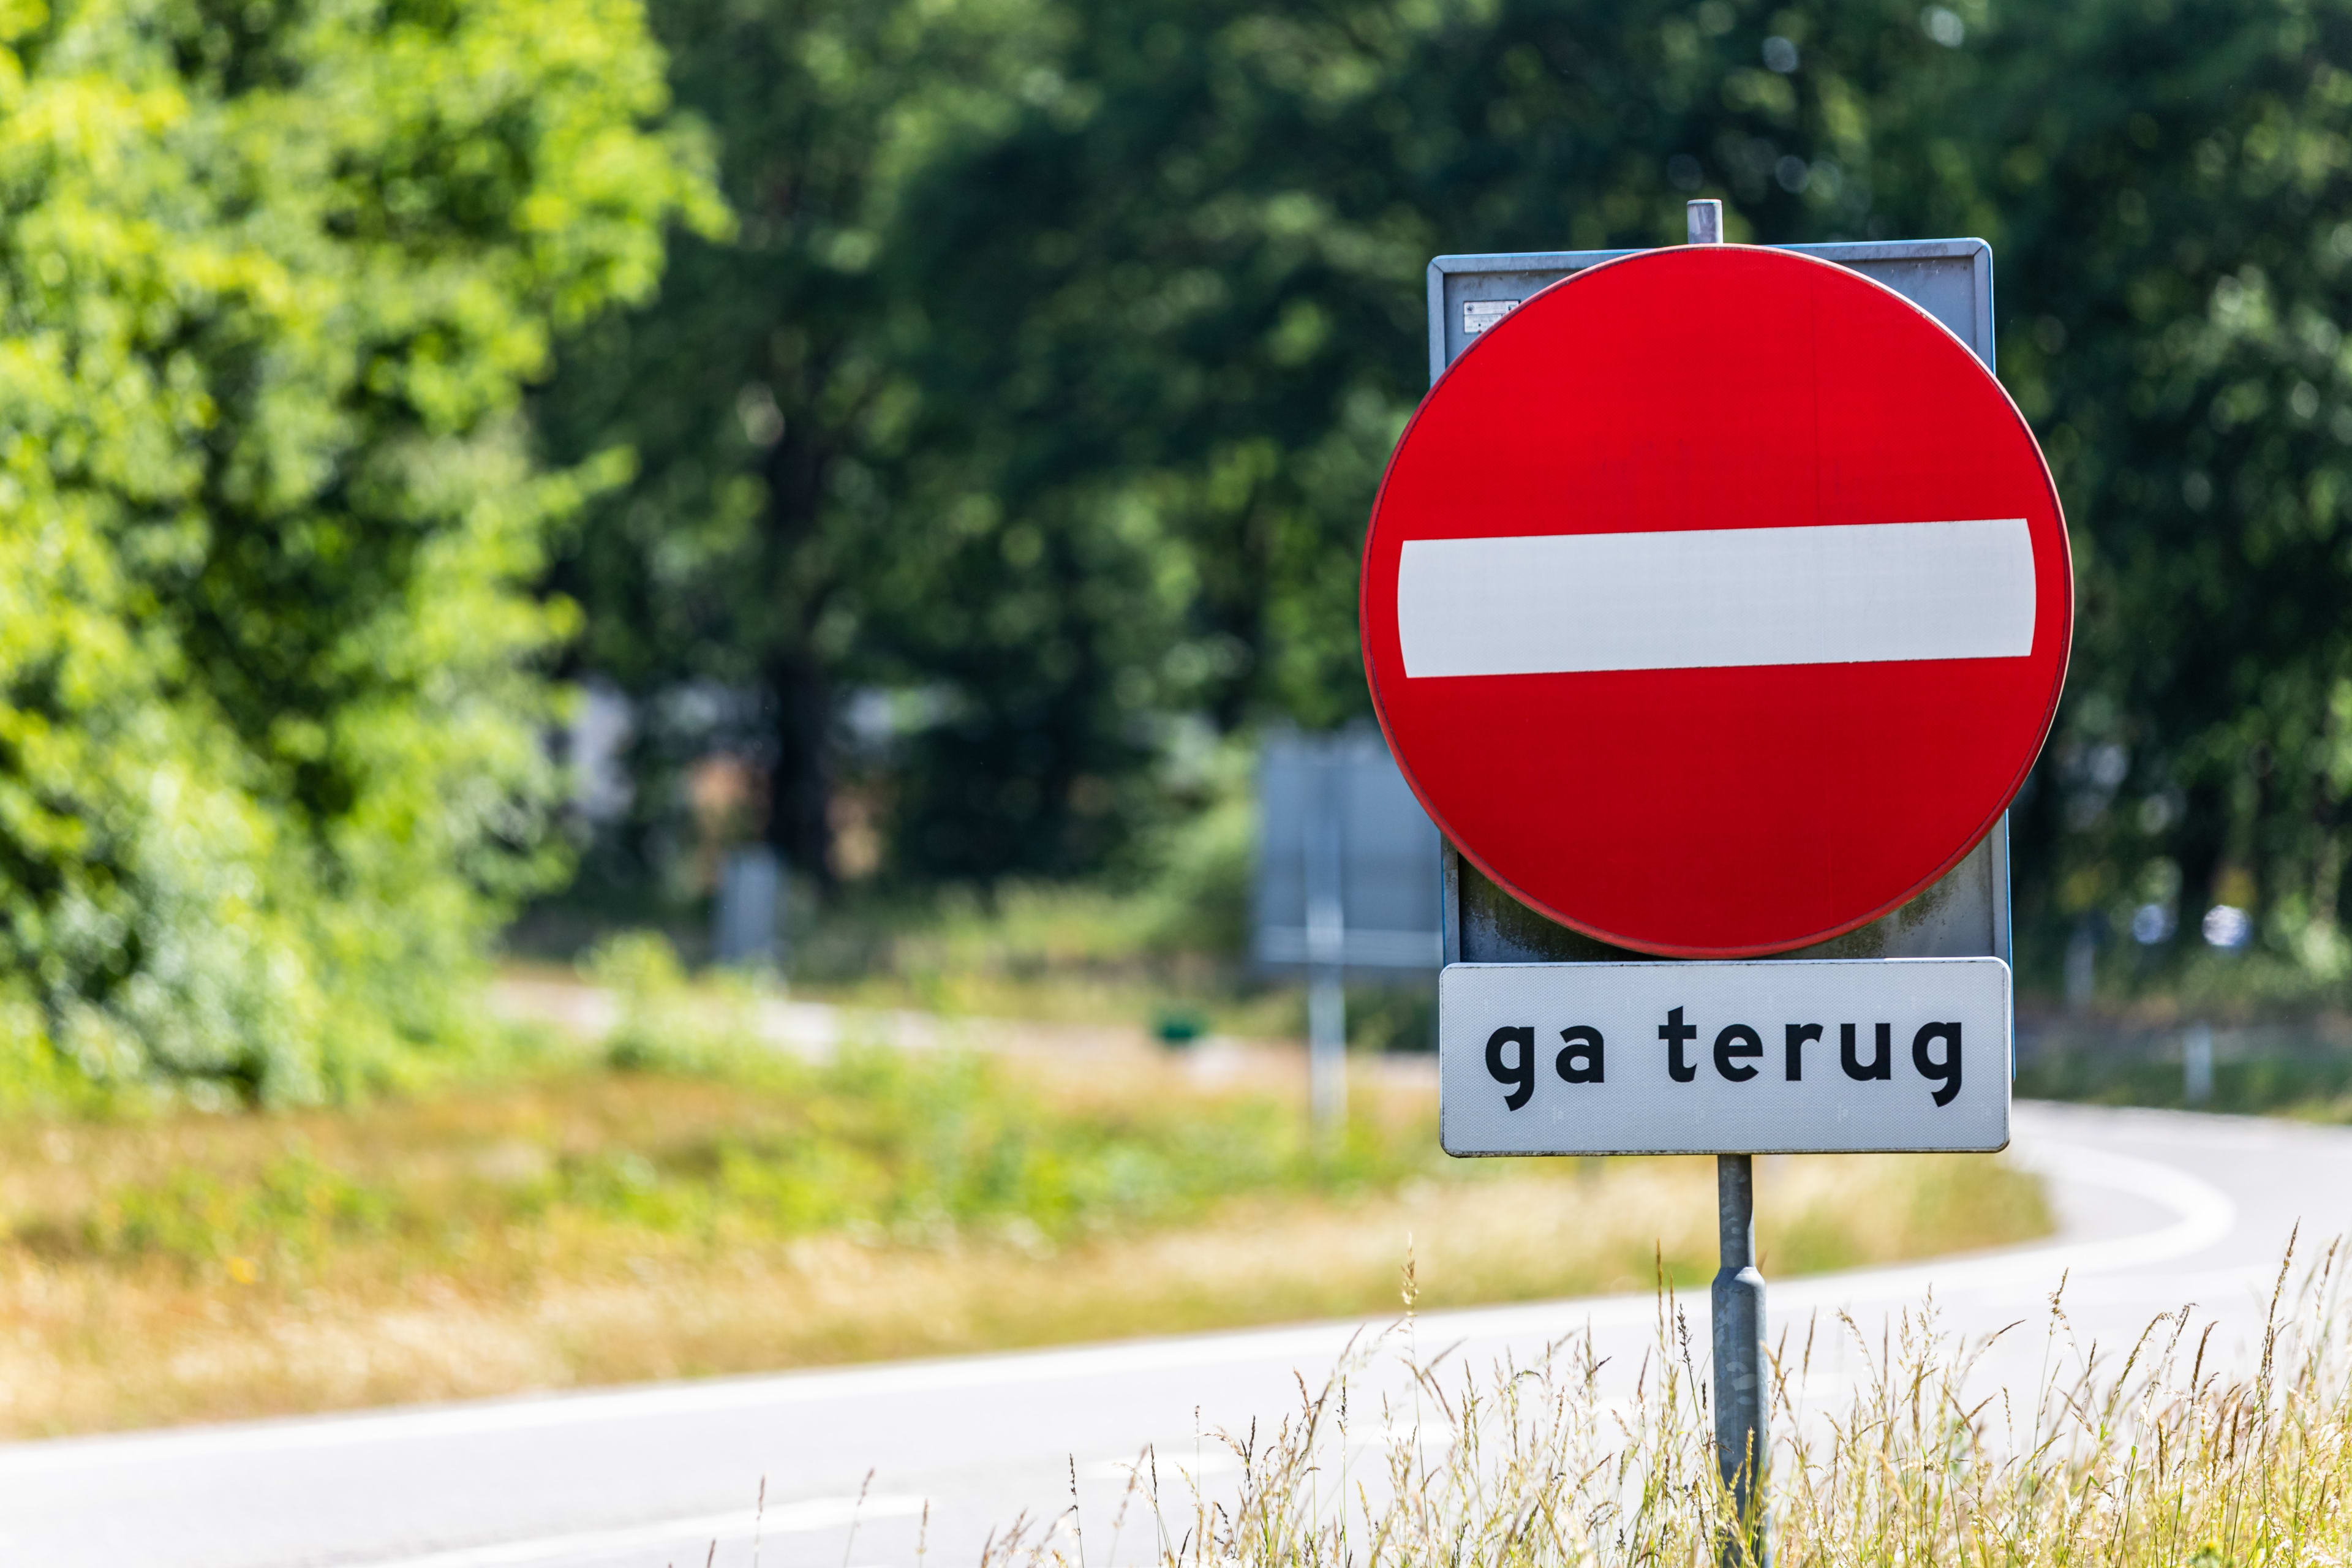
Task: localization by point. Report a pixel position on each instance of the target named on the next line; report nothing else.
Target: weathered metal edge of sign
(1480, 923)
(1846, 253)
(1879, 1047)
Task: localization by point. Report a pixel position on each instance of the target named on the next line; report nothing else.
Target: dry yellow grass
(2151, 1453)
(479, 1243)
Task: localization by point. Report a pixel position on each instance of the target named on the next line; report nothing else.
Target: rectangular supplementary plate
(1775, 1056)
(1710, 598)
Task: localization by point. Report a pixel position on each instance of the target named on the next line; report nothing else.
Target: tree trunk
(2201, 844)
(800, 784)
(798, 688)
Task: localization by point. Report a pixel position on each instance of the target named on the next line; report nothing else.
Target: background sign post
(1327, 939)
(1343, 883)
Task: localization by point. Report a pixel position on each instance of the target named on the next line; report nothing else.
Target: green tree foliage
(272, 280)
(1118, 307)
(767, 395)
(1201, 302)
(1057, 356)
(2173, 190)
(1212, 285)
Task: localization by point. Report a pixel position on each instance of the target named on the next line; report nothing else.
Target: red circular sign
(1717, 601)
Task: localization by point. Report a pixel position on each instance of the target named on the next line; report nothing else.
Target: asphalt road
(2157, 1210)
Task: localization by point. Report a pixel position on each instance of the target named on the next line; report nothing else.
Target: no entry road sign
(1717, 601)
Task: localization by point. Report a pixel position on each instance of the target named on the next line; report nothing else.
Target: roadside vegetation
(2175, 1449)
(1160, 953)
(1091, 952)
(1160, 946)
(2277, 1063)
(672, 1201)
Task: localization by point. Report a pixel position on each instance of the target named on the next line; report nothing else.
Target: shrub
(276, 279)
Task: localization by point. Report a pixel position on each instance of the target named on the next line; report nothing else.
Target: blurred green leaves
(272, 280)
(1056, 366)
(1034, 363)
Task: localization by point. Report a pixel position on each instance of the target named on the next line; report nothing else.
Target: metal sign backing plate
(1964, 914)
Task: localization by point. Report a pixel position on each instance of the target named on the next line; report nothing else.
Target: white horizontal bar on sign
(1709, 599)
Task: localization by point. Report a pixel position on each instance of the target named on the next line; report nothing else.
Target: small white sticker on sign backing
(1478, 315)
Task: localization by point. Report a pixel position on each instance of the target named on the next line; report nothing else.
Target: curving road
(2157, 1210)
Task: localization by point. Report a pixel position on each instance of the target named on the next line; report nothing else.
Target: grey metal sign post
(1529, 1009)
(1735, 1299)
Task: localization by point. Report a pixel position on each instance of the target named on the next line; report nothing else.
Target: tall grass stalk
(2162, 1453)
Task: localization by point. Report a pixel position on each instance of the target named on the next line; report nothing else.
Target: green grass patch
(680, 1200)
(2298, 1066)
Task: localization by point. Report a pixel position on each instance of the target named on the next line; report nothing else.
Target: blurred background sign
(1348, 876)
(744, 915)
(1348, 871)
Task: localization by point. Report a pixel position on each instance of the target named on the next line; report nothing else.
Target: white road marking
(784, 1518)
(1716, 598)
